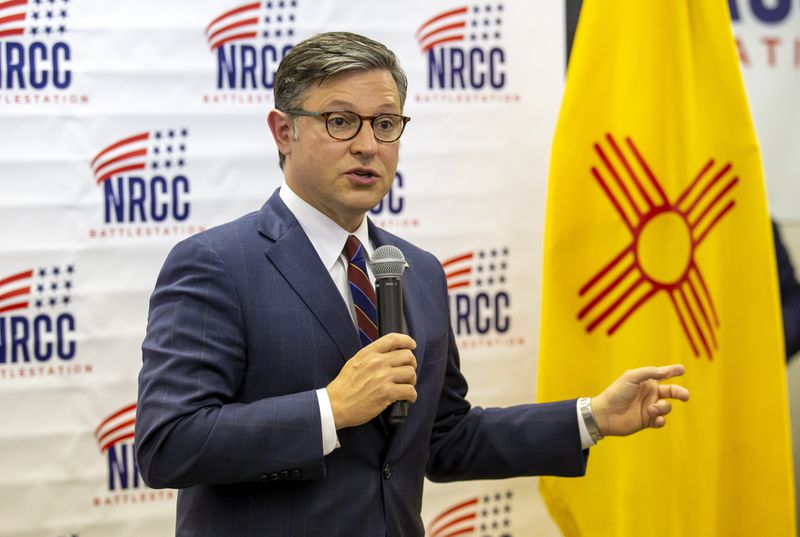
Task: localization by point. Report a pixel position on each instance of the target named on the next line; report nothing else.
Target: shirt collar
(326, 236)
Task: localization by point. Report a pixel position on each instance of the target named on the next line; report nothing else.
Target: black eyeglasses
(344, 125)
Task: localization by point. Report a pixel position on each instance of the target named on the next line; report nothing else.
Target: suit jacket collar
(327, 237)
(275, 218)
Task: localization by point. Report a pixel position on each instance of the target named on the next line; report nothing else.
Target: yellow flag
(658, 249)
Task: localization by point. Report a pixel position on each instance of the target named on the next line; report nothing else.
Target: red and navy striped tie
(362, 292)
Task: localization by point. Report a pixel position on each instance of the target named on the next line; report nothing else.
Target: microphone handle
(389, 292)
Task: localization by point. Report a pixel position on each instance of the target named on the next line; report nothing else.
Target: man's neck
(349, 224)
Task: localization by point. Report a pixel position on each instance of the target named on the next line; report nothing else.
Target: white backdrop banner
(126, 128)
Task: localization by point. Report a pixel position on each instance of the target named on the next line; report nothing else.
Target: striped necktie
(361, 290)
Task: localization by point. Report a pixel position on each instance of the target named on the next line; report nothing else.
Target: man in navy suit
(260, 398)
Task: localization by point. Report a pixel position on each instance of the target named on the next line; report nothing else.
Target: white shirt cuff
(586, 440)
(330, 439)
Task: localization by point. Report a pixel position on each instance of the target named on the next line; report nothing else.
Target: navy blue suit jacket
(245, 324)
(790, 295)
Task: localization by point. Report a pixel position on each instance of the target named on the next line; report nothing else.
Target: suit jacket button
(273, 476)
(284, 474)
(387, 472)
(297, 473)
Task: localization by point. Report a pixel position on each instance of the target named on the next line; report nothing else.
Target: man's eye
(385, 124)
(339, 121)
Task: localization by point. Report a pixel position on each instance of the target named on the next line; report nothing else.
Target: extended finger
(650, 372)
(673, 391)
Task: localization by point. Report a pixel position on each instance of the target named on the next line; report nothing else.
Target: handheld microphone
(387, 264)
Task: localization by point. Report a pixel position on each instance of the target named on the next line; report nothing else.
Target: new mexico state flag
(658, 249)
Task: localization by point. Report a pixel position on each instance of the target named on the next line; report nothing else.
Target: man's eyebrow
(348, 105)
(339, 102)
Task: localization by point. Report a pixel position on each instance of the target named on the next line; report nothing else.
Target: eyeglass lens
(345, 125)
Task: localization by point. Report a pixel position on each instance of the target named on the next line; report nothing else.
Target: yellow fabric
(655, 85)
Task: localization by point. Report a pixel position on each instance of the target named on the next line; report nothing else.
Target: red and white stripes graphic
(236, 24)
(446, 27)
(116, 428)
(12, 17)
(485, 516)
(128, 154)
(15, 291)
(458, 270)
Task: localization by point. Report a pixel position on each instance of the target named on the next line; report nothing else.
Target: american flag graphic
(39, 289)
(272, 19)
(116, 428)
(482, 516)
(480, 269)
(477, 23)
(39, 18)
(155, 150)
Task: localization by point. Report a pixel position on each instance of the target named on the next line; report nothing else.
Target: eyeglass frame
(325, 115)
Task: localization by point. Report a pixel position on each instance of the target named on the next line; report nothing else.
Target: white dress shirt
(328, 239)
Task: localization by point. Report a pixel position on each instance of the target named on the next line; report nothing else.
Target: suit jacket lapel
(294, 256)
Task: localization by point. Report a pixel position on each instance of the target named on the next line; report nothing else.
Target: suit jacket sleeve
(790, 295)
(492, 443)
(190, 428)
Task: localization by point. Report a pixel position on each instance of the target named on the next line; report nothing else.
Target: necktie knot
(354, 250)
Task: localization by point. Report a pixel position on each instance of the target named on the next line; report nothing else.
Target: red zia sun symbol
(648, 264)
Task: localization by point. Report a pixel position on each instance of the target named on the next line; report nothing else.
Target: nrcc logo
(465, 59)
(248, 42)
(480, 303)
(35, 55)
(114, 438)
(391, 212)
(37, 327)
(144, 187)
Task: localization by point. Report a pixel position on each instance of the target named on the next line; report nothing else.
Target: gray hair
(322, 56)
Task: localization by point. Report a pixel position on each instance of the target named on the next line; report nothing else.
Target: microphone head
(387, 262)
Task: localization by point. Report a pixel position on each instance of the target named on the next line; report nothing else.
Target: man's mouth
(362, 175)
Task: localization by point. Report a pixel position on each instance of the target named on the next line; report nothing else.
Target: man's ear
(281, 127)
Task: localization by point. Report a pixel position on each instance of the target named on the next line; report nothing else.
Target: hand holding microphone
(388, 264)
(381, 375)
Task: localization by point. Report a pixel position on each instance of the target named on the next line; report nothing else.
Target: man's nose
(365, 141)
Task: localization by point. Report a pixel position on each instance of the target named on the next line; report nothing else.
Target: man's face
(344, 179)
